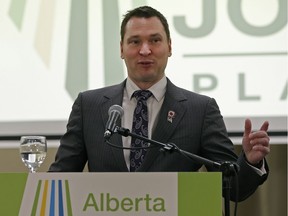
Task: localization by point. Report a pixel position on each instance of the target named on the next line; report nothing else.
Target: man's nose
(145, 49)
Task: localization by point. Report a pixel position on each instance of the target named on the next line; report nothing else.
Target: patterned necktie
(140, 127)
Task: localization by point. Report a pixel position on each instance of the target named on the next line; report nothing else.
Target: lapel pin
(171, 115)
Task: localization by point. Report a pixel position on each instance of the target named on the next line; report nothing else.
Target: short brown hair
(147, 12)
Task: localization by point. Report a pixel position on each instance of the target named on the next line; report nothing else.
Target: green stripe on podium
(199, 195)
(12, 184)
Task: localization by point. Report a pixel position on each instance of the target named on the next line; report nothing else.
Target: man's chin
(147, 78)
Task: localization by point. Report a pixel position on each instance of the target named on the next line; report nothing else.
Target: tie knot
(142, 94)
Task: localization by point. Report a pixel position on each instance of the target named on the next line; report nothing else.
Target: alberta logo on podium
(52, 197)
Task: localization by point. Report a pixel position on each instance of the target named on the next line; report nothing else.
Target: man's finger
(248, 127)
(265, 126)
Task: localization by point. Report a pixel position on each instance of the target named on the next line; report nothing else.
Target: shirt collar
(158, 89)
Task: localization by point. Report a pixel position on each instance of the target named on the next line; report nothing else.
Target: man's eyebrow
(134, 36)
(156, 34)
(152, 35)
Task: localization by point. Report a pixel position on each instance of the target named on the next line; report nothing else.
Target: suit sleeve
(217, 146)
(71, 155)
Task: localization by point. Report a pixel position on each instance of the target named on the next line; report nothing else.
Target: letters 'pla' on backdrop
(106, 194)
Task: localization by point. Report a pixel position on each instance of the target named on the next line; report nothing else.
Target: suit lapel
(114, 96)
(173, 102)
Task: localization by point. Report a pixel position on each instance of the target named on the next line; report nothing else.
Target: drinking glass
(33, 151)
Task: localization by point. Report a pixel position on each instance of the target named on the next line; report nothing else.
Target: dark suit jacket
(197, 127)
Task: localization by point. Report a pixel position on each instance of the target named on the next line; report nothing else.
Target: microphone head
(116, 108)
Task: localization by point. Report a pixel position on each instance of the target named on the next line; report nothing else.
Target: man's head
(145, 12)
(145, 45)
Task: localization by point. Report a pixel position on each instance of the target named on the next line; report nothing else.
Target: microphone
(115, 112)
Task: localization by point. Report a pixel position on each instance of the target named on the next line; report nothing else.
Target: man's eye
(156, 40)
(134, 42)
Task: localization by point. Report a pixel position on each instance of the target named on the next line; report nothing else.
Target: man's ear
(170, 47)
(121, 50)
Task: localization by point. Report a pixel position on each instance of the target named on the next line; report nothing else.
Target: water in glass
(33, 151)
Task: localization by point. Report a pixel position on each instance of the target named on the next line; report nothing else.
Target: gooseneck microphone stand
(227, 168)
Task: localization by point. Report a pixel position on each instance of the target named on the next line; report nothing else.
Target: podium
(119, 194)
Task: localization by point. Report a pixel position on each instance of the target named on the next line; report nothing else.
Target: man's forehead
(137, 27)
